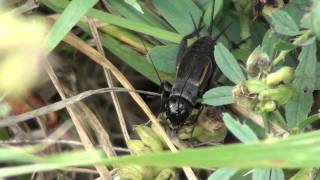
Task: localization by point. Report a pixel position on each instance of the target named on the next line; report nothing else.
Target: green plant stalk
(302, 38)
(266, 121)
(278, 119)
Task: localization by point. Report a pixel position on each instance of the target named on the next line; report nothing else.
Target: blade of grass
(69, 17)
(273, 153)
(147, 17)
(121, 22)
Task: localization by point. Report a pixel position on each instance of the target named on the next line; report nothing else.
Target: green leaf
(178, 14)
(268, 174)
(284, 45)
(70, 16)
(228, 64)
(296, 9)
(284, 24)
(315, 18)
(299, 106)
(318, 77)
(306, 21)
(223, 174)
(269, 43)
(164, 58)
(241, 131)
(218, 96)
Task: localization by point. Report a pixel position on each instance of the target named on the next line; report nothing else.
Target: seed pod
(243, 97)
(204, 136)
(284, 74)
(268, 106)
(135, 172)
(157, 131)
(149, 138)
(185, 132)
(138, 147)
(256, 86)
(282, 94)
(257, 62)
(166, 174)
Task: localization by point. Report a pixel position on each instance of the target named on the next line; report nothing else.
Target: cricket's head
(178, 110)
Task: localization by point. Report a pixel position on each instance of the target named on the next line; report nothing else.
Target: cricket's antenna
(154, 67)
(211, 19)
(195, 26)
(223, 31)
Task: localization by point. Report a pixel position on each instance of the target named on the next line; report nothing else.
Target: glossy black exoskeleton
(196, 72)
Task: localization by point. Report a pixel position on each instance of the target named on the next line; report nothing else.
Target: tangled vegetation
(80, 80)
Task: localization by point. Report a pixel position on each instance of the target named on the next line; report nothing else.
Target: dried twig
(107, 73)
(49, 141)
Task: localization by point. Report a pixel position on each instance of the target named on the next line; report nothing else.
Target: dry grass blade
(98, 58)
(107, 73)
(88, 145)
(80, 170)
(96, 126)
(58, 133)
(12, 120)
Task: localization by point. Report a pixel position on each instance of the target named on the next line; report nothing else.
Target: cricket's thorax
(203, 46)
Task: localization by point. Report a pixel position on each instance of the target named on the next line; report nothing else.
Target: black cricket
(196, 72)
